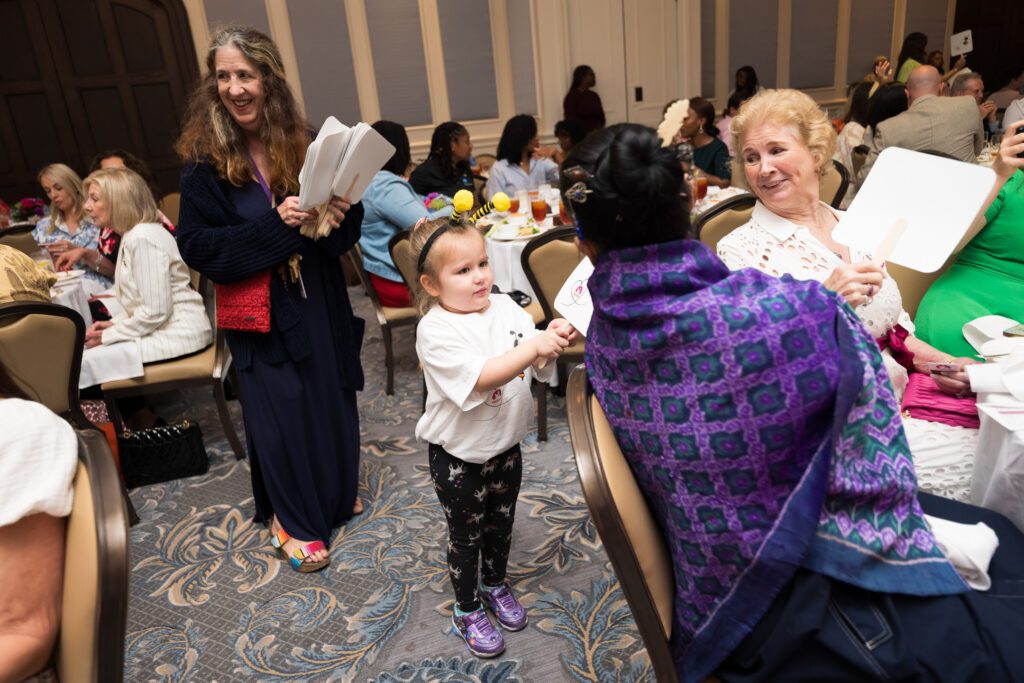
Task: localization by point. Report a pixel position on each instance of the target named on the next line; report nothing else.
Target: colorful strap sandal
(298, 557)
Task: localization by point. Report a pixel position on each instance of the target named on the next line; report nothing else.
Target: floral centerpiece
(28, 210)
(436, 201)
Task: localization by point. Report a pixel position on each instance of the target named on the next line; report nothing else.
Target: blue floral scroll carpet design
(211, 601)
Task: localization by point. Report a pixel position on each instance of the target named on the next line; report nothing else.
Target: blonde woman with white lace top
(161, 310)
(783, 141)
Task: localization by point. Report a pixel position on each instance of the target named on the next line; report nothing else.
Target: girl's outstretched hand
(564, 329)
(549, 344)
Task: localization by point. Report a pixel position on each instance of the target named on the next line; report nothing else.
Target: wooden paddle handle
(890, 240)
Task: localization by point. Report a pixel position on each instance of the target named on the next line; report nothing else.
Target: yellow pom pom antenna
(463, 202)
(499, 202)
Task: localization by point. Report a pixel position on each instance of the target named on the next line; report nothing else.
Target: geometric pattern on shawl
(756, 416)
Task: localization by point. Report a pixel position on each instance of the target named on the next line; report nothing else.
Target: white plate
(69, 275)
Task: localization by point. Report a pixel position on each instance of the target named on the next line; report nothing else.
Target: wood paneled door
(81, 76)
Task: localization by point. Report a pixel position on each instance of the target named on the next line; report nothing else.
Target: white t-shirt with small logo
(453, 347)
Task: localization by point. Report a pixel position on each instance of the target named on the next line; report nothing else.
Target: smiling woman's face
(779, 168)
(239, 86)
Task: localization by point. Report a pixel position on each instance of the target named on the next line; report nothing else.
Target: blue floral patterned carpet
(211, 601)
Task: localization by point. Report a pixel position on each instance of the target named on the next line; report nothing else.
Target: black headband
(426, 246)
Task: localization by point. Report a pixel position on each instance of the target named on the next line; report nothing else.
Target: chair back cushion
(642, 531)
(19, 237)
(721, 224)
(40, 350)
(170, 205)
(913, 284)
(830, 185)
(548, 267)
(401, 253)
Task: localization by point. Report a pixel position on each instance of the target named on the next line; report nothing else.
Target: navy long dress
(298, 382)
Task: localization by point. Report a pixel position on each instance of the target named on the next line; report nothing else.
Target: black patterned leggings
(479, 502)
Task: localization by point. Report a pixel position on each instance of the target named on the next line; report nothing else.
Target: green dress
(987, 277)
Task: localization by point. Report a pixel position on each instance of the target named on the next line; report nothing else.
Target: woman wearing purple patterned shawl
(758, 420)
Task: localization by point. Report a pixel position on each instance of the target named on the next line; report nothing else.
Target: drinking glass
(700, 185)
(539, 205)
(522, 199)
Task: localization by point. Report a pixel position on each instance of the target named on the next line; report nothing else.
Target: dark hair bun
(639, 172)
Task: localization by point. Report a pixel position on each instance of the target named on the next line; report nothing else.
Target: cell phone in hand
(1020, 129)
(1015, 331)
(945, 367)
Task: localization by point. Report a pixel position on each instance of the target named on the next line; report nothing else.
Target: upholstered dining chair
(400, 249)
(41, 344)
(719, 221)
(628, 531)
(209, 367)
(833, 184)
(387, 317)
(548, 260)
(20, 237)
(94, 602)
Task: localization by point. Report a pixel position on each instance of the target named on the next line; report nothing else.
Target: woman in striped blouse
(161, 310)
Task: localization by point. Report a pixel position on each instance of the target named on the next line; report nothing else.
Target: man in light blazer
(945, 124)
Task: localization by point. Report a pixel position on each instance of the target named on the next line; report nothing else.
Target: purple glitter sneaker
(509, 613)
(482, 639)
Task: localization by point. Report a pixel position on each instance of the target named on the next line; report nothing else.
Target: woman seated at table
(710, 154)
(446, 169)
(161, 310)
(755, 415)
(987, 277)
(391, 206)
(518, 167)
(785, 141)
(38, 457)
(67, 226)
(104, 256)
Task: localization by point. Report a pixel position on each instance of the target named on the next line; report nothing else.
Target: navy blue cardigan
(225, 247)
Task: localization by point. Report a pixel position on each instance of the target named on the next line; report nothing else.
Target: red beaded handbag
(245, 305)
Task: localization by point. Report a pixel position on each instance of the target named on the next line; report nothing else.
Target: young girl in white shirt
(480, 352)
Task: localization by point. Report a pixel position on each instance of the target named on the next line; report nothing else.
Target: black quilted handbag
(159, 454)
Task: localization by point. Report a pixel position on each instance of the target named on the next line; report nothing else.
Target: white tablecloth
(998, 479)
(507, 265)
(73, 295)
(109, 363)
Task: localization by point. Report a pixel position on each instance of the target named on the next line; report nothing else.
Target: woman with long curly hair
(243, 144)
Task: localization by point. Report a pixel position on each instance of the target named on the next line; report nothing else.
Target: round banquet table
(507, 265)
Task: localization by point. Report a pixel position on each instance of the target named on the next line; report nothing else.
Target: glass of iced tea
(700, 186)
(513, 204)
(539, 205)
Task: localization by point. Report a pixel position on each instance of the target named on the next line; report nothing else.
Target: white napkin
(986, 335)
(1005, 377)
(110, 363)
(969, 547)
